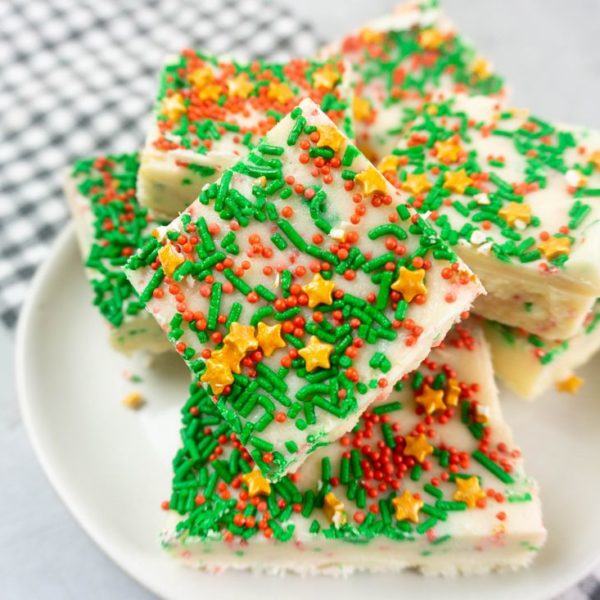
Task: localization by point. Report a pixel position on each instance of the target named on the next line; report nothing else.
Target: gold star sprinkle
(170, 259)
(134, 401)
(416, 184)
(457, 181)
(280, 92)
(516, 211)
(388, 163)
(410, 283)
(217, 375)
(316, 354)
(325, 78)
(448, 152)
(319, 291)
(555, 246)
(361, 109)
(334, 510)
(230, 356)
(370, 36)
(200, 77)
(210, 92)
(256, 483)
(371, 181)
(418, 447)
(431, 400)
(241, 337)
(330, 137)
(240, 86)
(173, 107)
(407, 507)
(481, 68)
(468, 491)
(594, 159)
(431, 39)
(269, 338)
(452, 392)
(570, 385)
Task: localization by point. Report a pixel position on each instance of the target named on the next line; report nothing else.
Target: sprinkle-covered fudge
(428, 478)
(209, 112)
(299, 287)
(529, 365)
(400, 60)
(111, 226)
(516, 197)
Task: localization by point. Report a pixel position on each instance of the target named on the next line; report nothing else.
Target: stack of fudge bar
(311, 238)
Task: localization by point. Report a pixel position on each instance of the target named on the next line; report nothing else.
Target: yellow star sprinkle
(200, 77)
(230, 356)
(468, 491)
(431, 39)
(407, 507)
(570, 385)
(481, 68)
(217, 375)
(169, 259)
(361, 109)
(371, 181)
(457, 181)
(418, 447)
(334, 510)
(319, 291)
(452, 392)
(370, 36)
(330, 137)
(256, 483)
(516, 211)
(416, 184)
(241, 337)
(134, 401)
(316, 354)
(594, 159)
(240, 86)
(210, 92)
(388, 163)
(410, 283)
(555, 246)
(325, 78)
(173, 107)
(269, 338)
(448, 152)
(280, 92)
(431, 400)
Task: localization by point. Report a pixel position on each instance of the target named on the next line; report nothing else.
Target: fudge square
(300, 288)
(429, 478)
(209, 112)
(110, 227)
(516, 197)
(529, 365)
(401, 60)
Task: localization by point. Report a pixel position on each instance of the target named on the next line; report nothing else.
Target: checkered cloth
(77, 78)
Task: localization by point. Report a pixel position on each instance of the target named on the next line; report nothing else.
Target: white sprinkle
(478, 237)
(482, 198)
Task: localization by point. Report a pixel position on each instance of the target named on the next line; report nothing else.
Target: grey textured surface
(547, 49)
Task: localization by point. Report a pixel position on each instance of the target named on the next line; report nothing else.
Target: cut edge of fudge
(324, 519)
(284, 428)
(131, 328)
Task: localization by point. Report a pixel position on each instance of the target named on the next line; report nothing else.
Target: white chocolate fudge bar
(209, 113)
(428, 479)
(110, 227)
(516, 197)
(402, 60)
(300, 288)
(529, 365)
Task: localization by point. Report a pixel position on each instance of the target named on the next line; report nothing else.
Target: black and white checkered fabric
(77, 78)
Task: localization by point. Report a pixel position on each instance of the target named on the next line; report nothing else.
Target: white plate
(111, 465)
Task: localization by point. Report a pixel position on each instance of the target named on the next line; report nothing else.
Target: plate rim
(59, 247)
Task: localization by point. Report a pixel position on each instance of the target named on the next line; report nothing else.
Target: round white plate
(111, 465)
